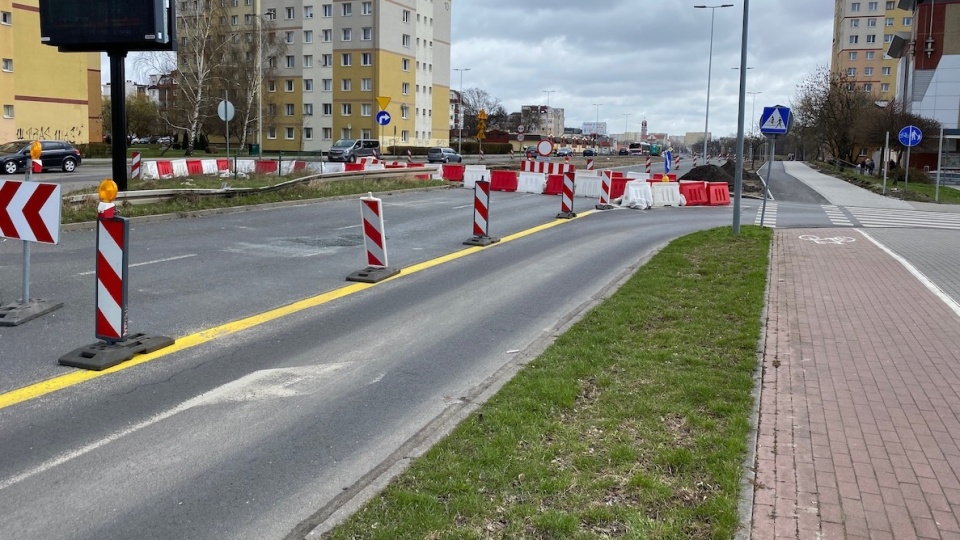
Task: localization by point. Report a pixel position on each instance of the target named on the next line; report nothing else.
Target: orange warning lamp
(107, 190)
(35, 150)
(664, 178)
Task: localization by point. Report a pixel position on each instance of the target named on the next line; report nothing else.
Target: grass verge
(916, 190)
(190, 203)
(633, 424)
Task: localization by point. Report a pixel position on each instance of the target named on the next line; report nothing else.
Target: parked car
(15, 155)
(589, 152)
(349, 150)
(623, 152)
(163, 140)
(566, 151)
(443, 155)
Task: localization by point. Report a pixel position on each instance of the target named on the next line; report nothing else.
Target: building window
(308, 109)
(871, 23)
(8, 111)
(365, 109)
(405, 136)
(366, 59)
(328, 109)
(885, 71)
(366, 85)
(872, 6)
(868, 71)
(405, 40)
(288, 109)
(326, 60)
(289, 13)
(327, 10)
(366, 8)
(290, 61)
(308, 36)
(346, 59)
(308, 60)
(271, 109)
(854, 23)
(271, 14)
(884, 87)
(405, 17)
(406, 64)
(854, 39)
(870, 55)
(345, 133)
(326, 36)
(888, 21)
(271, 85)
(346, 85)
(346, 109)
(871, 38)
(271, 133)
(288, 37)
(855, 6)
(908, 21)
(8, 64)
(308, 133)
(366, 33)
(404, 111)
(405, 88)
(6, 17)
(887, 38)
(851, 72)
(327, 85)
(289, 133)
(307, 12)
(288, 85)
(852, 55)
(347, 34)
(891, 5)
(366, 134)
(308, 85)
(327, 133)
(347, 9)
(867, 87)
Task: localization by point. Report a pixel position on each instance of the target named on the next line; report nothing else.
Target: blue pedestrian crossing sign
(383, 118)
(775, 120)
(910, 136)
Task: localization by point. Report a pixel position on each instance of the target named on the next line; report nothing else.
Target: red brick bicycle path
(859, 421)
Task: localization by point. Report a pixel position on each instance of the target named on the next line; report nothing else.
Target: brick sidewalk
(859, 424)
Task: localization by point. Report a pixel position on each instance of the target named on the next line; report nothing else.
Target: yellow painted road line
(54, 384)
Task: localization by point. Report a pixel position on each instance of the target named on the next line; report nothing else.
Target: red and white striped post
(135, 165)
(694, 161)
(566, 198)
(589, 164)
(511, 153)
(481, 215)
(606, 181)
(676, 162)
(481, 154)
(409, 156)
(647, 164)
(113, 243)
(374, 242)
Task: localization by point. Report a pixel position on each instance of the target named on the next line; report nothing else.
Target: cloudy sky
(644, 58)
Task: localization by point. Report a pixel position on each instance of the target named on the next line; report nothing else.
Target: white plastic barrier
(179, 167)
(637, 194)
(246, 166)
(638, 175)
(587, 184)
(148, 170)
(209, 166)
(666, 193)
(472, 173)
(531, 182)
(323, 167)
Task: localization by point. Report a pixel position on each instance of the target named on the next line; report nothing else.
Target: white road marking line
(168, 259)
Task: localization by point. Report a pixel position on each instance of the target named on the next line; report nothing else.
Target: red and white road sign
(113, 235)
(30, 211)
(135, 165)
(545, 148)
(37, 166)
(374, 240)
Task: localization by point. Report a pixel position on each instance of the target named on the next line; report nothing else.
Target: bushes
(916, 175)
(94, 150)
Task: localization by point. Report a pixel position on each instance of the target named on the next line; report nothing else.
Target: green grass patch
(186, 203)
(633, 424)
(920, 187)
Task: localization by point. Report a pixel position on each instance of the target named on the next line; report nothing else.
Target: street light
(548, 92)
(626, 117)
(596, 129)
(706, 122)
(753, 111)
(259, 82)
(460, 109)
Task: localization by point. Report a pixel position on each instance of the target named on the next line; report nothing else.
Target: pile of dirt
(727, 173)
(708, 173)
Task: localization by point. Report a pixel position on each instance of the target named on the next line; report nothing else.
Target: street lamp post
(259, 82)
(460, 110)
(706, 122)
(626, 117)
(596, 129)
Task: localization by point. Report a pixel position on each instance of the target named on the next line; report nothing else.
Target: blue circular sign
(383, 118)
(910, 136)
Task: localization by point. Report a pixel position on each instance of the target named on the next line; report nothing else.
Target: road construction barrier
(647, 165)
(353, 167)
(409, 156)
(637, 194)
(374, 242)
(194, 166)
(694, 161)
(665, 193)
(503, 180)
(663, 177)
(452, 172)
(135, 166)
(179, 167)
(265, 166)
(694, 192)
(113, 244)
(474, 173)
(164, 170)
(546, 167)
(530, 182)
(566, 198)
(676, 162)
(718, 193)
(618, 182)
(587, 184)
(589, 164)
(209, 166)
(637, 175)
(605, 182)
(481, 216)
(554, 185)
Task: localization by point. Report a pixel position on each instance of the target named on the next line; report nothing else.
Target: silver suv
(349, 150)
(443, 155)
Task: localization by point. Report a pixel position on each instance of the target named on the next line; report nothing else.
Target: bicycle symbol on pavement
(838, 240)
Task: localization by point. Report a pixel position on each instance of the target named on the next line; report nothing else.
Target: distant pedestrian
(870, 166)
(859, 167)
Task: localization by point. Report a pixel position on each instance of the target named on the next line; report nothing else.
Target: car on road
(15, 155)
(566, 151)
(350, 150)
(589, 152)
(443, 155)
(623, 152)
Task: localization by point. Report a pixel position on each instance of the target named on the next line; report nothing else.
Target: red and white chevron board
(589, 164)
(374, 241)
(566, 198)
(112, 236)
(546, 167)
(606, 182)
(37, 166)
(647, 165)
(30, 211)
(135, 165)
(481, 208)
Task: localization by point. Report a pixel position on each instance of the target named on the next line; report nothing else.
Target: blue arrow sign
(775, 120)
(383, 118)
(910, 136)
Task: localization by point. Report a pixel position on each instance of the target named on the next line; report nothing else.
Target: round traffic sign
(520, 128)
(910, 136)
(225, 110)
(520, 137)
(545, 148)
(383, 118)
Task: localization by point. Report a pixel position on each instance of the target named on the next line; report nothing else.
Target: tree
(829, 104)
(143, 117)
(875, 123)
(475, 99)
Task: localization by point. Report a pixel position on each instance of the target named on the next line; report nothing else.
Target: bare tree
(875, 123)
(475, 99)
(830, 103)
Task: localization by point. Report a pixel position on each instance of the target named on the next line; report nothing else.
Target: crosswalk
(888, 217)
(836, 215)
(769, 216)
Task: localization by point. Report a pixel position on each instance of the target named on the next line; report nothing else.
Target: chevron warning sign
(30, 211)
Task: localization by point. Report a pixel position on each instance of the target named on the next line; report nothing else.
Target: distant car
(443, 155)
(589, 152)
(54, 154)
(623, 152)
(164, 140)
(141, 140)
(565, 152)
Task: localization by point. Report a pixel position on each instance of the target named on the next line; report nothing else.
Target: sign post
(774, 121)
(382, 102)
(909, 136)
(226, 111)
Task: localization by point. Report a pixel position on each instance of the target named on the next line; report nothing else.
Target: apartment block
(862, 32)
(35, 104)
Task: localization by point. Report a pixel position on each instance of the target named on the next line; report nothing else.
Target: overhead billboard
(104, 25)
(589, 128)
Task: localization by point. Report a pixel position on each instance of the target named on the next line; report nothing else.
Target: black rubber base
(14, 314)
(102, 355)
(480, 241)
(372, 274)
(566, 215)
(604, 207)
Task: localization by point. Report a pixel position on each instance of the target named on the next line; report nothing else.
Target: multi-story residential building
(862, 32)
(34, 105)
(341, 56)
(543, 119)
(933, 83)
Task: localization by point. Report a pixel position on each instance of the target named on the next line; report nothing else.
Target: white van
(349, 150)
